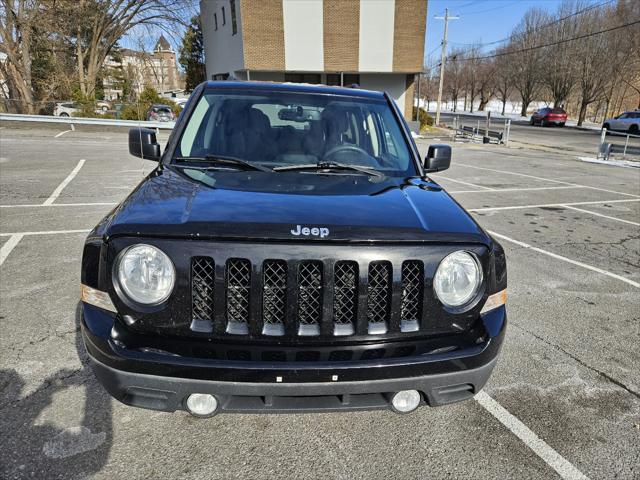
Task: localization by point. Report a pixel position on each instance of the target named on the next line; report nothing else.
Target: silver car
(625, 122)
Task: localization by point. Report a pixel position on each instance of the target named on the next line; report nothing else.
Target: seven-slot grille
(306, 298)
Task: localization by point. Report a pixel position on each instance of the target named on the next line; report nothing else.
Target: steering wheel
(347, 148)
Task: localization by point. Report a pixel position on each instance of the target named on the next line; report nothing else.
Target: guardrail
(19, 117)
(605, 149)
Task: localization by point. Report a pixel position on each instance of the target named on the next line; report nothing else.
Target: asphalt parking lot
(563, 402)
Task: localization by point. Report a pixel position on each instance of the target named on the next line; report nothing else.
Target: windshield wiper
(222, 160)
(328, 166)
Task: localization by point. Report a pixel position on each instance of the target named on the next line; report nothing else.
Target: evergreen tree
(192, 55)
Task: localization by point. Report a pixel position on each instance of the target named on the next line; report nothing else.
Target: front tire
(562, 125)
(543, 123)
(531, 122)
(64, 114)
(633, 129)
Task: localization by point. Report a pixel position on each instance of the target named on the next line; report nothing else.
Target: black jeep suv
(290, 253)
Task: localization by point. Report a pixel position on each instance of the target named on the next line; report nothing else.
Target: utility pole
(443, 58)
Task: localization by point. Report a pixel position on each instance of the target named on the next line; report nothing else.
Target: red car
(549, 116)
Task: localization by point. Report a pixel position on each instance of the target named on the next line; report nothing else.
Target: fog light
(201, 404)
(405, 401)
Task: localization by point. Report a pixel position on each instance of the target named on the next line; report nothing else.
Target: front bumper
(162, 381)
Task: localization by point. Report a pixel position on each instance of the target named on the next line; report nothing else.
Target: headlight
(145, 274)
(457, 279)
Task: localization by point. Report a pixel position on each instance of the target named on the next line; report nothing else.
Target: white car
(626, 122)
(66, 109)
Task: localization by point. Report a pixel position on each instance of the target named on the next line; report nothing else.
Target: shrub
(148, 97)
(424, 118)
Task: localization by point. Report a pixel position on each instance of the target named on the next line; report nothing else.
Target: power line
(560, 42)
(491, 9)
(579, 12)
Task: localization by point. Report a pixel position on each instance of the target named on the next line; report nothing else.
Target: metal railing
(71, 121)
(483, 133)
(606, 149)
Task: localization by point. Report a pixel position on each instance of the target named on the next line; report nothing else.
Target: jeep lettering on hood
(314, 231)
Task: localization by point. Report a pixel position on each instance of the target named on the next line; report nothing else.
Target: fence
(606, 150)
(72, 121)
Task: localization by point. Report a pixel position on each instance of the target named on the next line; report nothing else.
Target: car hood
(275, 206)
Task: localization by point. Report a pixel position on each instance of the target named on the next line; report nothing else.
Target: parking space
(564, 401)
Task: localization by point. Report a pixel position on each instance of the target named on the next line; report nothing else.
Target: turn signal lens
(97, 298)
(494, 301)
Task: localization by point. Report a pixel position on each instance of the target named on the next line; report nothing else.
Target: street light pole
(443, 58)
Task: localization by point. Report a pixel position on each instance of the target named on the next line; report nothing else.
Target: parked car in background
(625, 122)
(549, 116)
(102, 106)
(160, 113)
(65, 109)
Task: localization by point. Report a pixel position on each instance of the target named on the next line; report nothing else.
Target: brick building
(158, 69)
(378, 44)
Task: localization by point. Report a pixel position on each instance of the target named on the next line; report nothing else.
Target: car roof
(294, 87)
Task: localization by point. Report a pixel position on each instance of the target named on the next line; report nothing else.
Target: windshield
(282, 129)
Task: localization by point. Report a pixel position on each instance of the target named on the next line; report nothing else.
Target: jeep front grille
(238, 294)
(274, 296)
(278, 297)
(379, 296)
(202, 282)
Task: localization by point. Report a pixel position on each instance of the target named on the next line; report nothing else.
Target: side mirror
(438, 158)
(143, 144)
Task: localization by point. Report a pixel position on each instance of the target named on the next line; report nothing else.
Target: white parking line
(549, 180)
(565, 259)
(463, 183)
(56, 193)
(541, 205)
(62, 133)
(500, 190)
(45, 232)
(601, 215)
(561, 465)
(5, 250)
(32, 205)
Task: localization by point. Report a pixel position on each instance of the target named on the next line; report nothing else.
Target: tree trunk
(525, 106)
(504, 105)
(583, 112)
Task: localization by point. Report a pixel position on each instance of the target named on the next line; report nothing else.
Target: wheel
(104, 108)
(543, 123)
(607, 128)
(64, 114)
(531, 122)
(562, 124)
(633, 129)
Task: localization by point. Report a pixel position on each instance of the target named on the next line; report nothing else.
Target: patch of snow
(615, 163)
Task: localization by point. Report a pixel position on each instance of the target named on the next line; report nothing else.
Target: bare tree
(17, 19)
(594, 59)
(527, 63)
(560, 72)
(486, 82)
(503, 77)
(454, 77)
(101, 23)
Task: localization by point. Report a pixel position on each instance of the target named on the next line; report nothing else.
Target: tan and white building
(377, 44)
